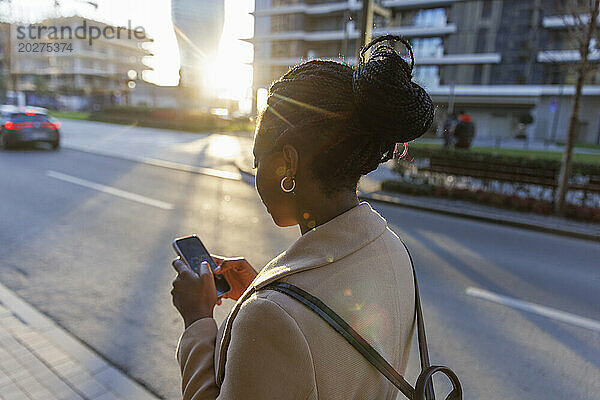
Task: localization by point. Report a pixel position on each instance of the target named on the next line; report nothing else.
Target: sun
(229, 74)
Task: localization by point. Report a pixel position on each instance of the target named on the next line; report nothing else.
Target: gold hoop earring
(290, 189)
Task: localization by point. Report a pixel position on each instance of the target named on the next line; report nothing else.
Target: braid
(344, 121)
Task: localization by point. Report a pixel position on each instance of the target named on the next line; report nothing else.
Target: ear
(290, 157)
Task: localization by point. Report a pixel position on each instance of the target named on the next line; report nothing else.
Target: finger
(227, 295)
(217, 259)
(178, 281)
(205, 269)
(221, 269)
(226, 265)
(179, 265)
(219, 302)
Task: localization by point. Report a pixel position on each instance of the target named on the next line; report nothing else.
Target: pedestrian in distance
(325, 125)
(448, 129)
(464, 132)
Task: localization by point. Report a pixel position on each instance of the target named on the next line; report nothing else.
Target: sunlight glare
(229, 74)
(261, 98)
(223, 146)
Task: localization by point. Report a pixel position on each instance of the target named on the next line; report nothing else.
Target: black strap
(360, 344)
(423, 351)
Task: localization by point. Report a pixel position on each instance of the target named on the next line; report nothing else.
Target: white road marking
(161, 163)
(110, 190)
(548, 312)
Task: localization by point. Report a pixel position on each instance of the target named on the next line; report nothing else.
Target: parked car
(21, 125)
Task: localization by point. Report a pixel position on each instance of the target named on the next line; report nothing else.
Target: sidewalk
(40, 360)
(369, 188)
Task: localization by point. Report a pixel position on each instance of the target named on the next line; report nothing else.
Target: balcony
(302, 8)
(353, 5)
(564, 21)
(320, 36)
(417, 31)
(447, 59)
(565, 56)
(408, 4)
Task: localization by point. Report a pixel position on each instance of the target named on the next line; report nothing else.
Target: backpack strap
(358, 342)
(351, 336)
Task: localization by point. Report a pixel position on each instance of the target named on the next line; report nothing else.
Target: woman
(325, 125)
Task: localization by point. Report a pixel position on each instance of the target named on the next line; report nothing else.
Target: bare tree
(581, 20)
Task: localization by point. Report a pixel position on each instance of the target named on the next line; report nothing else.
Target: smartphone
(193, 253)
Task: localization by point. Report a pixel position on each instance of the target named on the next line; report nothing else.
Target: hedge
(463, 158)
(500, 200)
(166, 118)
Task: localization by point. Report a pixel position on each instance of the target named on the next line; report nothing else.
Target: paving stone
(11, 345)
(87, 384)
(4, 379)
(71, 396)
(19, 373)
(68, 368)
(14, 325)
(121, 386)
(36, 367)
(106, 396)
(42, 394)
(32, 338)
(42, 361)
(4, 311)
(52, 355)
(77, 350)
(12, 392)
(29, 385)
(9, 364)
(56, 386)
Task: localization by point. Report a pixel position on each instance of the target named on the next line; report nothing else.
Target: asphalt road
(86, 239)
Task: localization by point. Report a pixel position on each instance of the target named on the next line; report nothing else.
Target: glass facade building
(198, 27)
(496, 58)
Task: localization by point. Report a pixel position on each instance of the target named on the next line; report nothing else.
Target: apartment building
(496, 59)
(4, 55)
(81, 74)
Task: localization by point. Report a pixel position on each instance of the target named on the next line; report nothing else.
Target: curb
(479, 216)
(99, 368)
(475, 215)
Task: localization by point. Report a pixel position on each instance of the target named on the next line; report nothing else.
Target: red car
(23, 125)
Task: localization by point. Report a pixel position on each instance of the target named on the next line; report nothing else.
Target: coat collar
(323, 245)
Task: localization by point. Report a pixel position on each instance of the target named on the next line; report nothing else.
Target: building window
(429, 47)
(427, 76)
(277, 72)
(282, 23)
(285, 48)
(327, 23)
(432, 17)
(481, 45)
(486, 10)
(279, 3)
(477, 74)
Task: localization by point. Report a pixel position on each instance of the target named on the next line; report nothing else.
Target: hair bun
(388, 102)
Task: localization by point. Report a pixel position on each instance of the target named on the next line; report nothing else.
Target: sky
(229, 74)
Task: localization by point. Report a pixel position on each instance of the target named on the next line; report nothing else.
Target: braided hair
(343, 120)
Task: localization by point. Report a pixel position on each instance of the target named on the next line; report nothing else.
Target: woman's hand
(238, 272)
(194, 295)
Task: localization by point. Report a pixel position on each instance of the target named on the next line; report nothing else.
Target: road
(86, 239)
